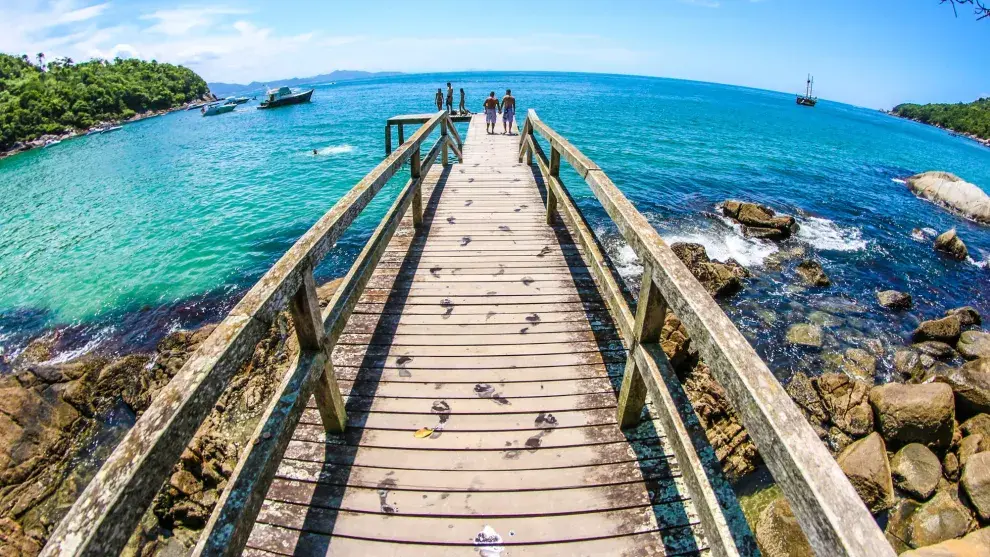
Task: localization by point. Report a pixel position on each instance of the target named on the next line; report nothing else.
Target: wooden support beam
(444, 138)
(554, 171)
(308, 321)
(457, 136)
(417, 201)
(650, 314)
(401, 135)
(388, 139)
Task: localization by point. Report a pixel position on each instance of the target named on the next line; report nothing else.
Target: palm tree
(26, 59)
(41, 60)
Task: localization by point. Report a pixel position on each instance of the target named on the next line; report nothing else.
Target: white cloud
(180, 21)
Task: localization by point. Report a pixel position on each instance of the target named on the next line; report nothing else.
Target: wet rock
(847, 403)
(908, 363)
(953, 193)
(855, 362)
(971, 385)
(892, 299)
(974, 344)
(824, 319)
(978, 424)
(812, 274)
(968, 316)
(914, 413)
(975, 480)
(865, 464)
(763, 233)
(778, 533)
(775, 260)
(974, 544)
(946, 329)
(752, 215)
(935, 349)
(949, 243)
(805, 334)
(942, 518)
(719, 279)
(916, 470)
(971, 445)
(898, 531)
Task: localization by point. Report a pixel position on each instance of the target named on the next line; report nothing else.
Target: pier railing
(826, 506)
(104, 517)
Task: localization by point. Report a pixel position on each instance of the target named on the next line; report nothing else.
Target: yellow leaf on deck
(423, 433)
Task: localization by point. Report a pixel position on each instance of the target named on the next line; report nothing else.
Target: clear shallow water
(164, 224)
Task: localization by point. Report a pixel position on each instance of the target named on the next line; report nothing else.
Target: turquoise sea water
(118, 238)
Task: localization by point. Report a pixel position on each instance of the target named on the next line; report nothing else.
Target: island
(969, 119)
(62, 98)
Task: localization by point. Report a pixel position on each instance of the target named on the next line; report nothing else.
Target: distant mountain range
(225, 89)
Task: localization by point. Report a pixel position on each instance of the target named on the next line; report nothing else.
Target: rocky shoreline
(976, 138)
(60, 421)
(41, 141)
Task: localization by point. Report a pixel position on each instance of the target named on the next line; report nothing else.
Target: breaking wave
(824, 234)
(335, 150)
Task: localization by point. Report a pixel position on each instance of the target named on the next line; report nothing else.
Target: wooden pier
(479, 385)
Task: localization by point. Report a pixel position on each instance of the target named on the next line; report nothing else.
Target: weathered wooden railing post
(402, 135)
(417, 201)
(554, 174)
(443, 133)
(388, 139)
(308, 321)
(651, 310)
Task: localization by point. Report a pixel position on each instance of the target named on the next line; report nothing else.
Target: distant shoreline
(25, 146)
(967, 135)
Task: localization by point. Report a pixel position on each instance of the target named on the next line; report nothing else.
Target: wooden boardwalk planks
(480, 370)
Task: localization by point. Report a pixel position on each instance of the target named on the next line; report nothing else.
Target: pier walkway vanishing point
(479, 384)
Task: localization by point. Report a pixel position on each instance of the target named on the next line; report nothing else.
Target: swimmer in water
(314, 151)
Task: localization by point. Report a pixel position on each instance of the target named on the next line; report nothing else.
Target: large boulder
(953, 193)
(811, 273)
(914, 413)
(908, 363)
(974, 544)
(898, 528)
(949, 243)
(759, 221)
(942, 518)
(946, 329)
(976, 481)
(971, 385)
(802, 391)
(865, 464)
(719, 279)
(892, 299)
(805, 334)
(974, 344)
(916, 471)
(778, 533)
(847, 403)
(977, 425)
(968, 316)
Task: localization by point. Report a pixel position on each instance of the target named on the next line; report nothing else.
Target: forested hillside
(972, 118)
(65, 95)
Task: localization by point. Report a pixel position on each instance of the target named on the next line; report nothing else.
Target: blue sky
(873, 53)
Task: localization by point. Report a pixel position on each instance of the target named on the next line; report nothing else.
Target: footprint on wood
(544, 252)
(484, 390)
(524, 330)
(435, 270)
(401, 361)
(527, 281)
(501, 271)
(447, 304)
(533, 318)
(489, 315)
(442, 410)
(469, 179)
(468, 203)
(547, 423)
(505, 228)
(465, 241)
(383, 488)
(451, 220)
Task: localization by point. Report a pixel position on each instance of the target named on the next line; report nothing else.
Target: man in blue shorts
(508, 111)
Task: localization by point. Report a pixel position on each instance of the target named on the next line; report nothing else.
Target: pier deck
(480, 384)
(488, 330)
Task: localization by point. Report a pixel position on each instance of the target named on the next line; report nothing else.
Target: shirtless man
(439, 99)
(450, 98)
(491, 107)
(508, 111)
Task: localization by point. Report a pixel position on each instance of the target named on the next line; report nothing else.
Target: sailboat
(807, 99)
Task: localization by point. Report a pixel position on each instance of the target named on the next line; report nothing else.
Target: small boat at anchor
(95, 131)
(112, 129)
(215, 109)
(51, 142)
(236, 100)
(283, 96)
(196, 106)
(807, 99)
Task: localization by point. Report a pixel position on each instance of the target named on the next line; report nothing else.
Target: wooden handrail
(107, 512)
(827, 507)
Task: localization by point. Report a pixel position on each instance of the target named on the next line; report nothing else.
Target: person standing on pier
(508, 112)
(491, 106)
(450, 98)
(461, 109)
(439, 99)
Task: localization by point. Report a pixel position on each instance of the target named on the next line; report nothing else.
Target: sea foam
(825, 235)
(335, 150)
